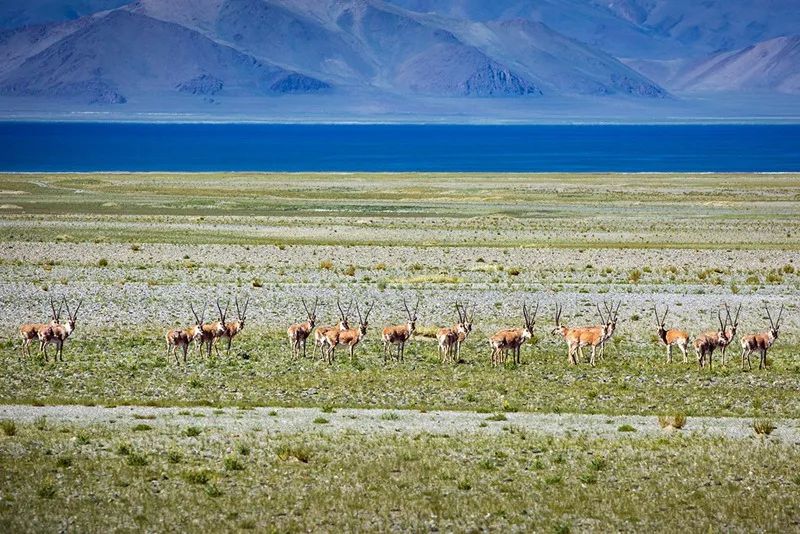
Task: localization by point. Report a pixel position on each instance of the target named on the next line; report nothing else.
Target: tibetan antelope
(730, 333)
(299, 332)
(58, 334)
(30, 331)
(705, 343)
(761, 341)
(350, 337)
(673, 336)
(183, 337)
(610, 322)
(233, 328)
(513, 338)
(465, 331)
(577, 338)
(320, 331)
(448, 338)
(399, 334)
(212, 331)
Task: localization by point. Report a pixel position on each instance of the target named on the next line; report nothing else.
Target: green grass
(350, 482)
(132, 369)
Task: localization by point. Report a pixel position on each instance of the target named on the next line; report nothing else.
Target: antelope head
(241, 313)
(199, 320)
(412, 317)
(364, 321)
(56, 317)
(661, 322)
(72, 317)
(559, 328)
(774, 326)
(311, 314)
(722, 326)
(222, 314)
(612, 317)
(733, 322)
(530, 319)
(343, 316)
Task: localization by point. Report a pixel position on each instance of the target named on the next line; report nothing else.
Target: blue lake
(116, 146)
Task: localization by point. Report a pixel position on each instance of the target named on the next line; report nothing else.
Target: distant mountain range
(210, 54)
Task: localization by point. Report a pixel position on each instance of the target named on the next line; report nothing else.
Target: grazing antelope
(513, 338)
(729, 333)
(233, 328)
(30, 331)
(587, 336)
(399, 334)
(761, 342)
(299, 332)
(183, 337)
(350, 337)
(673, 336)
(705, 343)
(57, 334)
(320, 331)
(448, 337)
(212, 331)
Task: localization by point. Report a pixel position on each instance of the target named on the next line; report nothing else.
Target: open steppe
(137, 248)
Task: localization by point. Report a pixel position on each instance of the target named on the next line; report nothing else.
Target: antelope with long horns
(610, 322)
(671, 337)
(30, 331)
(183, 337)
(705, 343)
(298, 333)
(579, 337)
(465, 330)
(234, 328)
(399, 334)
(513, 338)
(761, 341)
(58, 334)
(448, 337)
(350, 337)
(320, 331)
(730, 333)
(213, 331)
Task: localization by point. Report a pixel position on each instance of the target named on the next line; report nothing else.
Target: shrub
(64, 461)
(257, 282)
(289, 452)
(497, 417)
(788, 269)
(136, 248)
(243, 449)
(774, 278)
(326, 264)
(137, 460)
(9, 427)
(672, 421)
(192, 431)
(102, 262)
(598, 464)
(320, 421)
(380, 266)
(753, 280)
(513, 271)
(200, 476)
(123, 449)
(389, 416)
(213, 491)
(464, 485)
(174, 457)
(46, 490)
(626, 428)
(634, 276)
(232, 463)
(763, 427)
(142, 428)
(350, 270)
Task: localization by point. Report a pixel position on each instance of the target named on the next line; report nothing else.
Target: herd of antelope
(208, 335)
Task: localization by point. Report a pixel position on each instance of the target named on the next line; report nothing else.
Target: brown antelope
(350, 337)
(299, 332)
(761, 342)
(58, 334)
(30, 331)
(513, 338)
(399, 334)
(212, 331)
(730, 333)
(610, 323)
(233, 328)
(183, 337)
(705, 343)
(673, 336)
(448, 337)
(587, 336)
(320, 331)
(465, 330)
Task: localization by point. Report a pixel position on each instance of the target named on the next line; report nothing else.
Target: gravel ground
(364, 421)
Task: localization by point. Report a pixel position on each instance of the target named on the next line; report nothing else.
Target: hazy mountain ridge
(214, 50)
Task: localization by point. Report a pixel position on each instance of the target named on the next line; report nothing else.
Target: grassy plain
(137, 248)
(136, 475)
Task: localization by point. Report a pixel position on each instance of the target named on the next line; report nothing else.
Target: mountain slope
(772, 65)
(126, 53)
